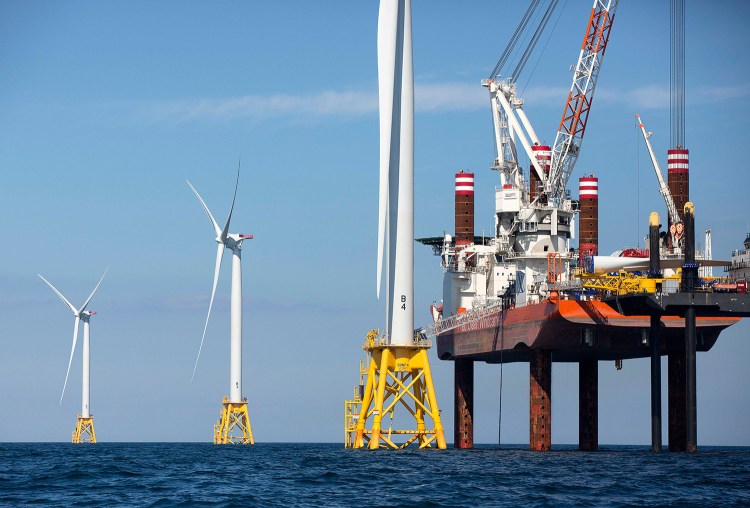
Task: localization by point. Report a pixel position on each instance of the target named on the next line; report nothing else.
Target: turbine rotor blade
(94, 291)
(219, 256)
(70, 361)
(382, 218)
(387, 40)
(65, 300)
(225, 231)
(205, 207)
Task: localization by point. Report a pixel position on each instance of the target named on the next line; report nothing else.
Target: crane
(509, 119)
(674, 216)
(575, 115)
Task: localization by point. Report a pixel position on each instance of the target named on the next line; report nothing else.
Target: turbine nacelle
(233, 240)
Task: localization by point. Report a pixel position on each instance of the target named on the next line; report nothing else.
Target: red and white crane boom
(575, 115)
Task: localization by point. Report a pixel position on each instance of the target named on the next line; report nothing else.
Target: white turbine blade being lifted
(387, 38)
(208, 212)
(225, 231)
(70, 361)
(94, 291)
(65, 300)
(219, 256)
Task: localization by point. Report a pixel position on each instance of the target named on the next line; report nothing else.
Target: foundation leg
(691, 413)
(540, 391)
(654, 339)
(432, 400)
(588, 405)
(463, 423)
(677, 401)
(379, 398)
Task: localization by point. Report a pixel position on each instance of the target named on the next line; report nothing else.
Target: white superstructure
(739, 270)
(530, 246)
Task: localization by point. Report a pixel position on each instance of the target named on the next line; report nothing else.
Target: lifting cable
(539, 58)
(534, 39)
(677, 73)
(514, 39)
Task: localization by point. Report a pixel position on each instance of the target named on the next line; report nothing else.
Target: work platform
(732, 305)
(647, 325)
(613, 329)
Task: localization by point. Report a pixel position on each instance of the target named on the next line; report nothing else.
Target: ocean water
(198, 474)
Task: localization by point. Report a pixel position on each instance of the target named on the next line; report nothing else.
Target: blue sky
(107, 107)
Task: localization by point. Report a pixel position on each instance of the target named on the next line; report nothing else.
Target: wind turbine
(84, 431)
(234, 424)
(398, 353)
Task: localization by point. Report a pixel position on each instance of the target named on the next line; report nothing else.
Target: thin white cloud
(443, 97)
(722, 93)
(546, 96)
(329, 103)
(428, 98)
(657, 96)
(645, 97)
(450, 97)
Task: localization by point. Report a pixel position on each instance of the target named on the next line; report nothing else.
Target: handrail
(451, 322)
(376, 339)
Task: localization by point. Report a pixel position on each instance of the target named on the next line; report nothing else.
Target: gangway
(452, 322)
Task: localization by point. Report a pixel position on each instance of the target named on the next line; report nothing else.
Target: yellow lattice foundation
(398, 377)
(234, 424)
(84, 431)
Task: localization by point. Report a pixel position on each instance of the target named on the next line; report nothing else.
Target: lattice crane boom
(575, 115)
(674, 215)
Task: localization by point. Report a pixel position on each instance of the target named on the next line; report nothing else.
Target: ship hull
(572, 331)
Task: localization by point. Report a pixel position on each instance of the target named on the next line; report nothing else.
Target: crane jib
(575, 114)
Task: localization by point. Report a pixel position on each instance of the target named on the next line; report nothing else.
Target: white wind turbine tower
(234, 423)
(84, 431)
(397, 354)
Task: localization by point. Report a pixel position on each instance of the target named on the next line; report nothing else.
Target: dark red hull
(572, 330)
